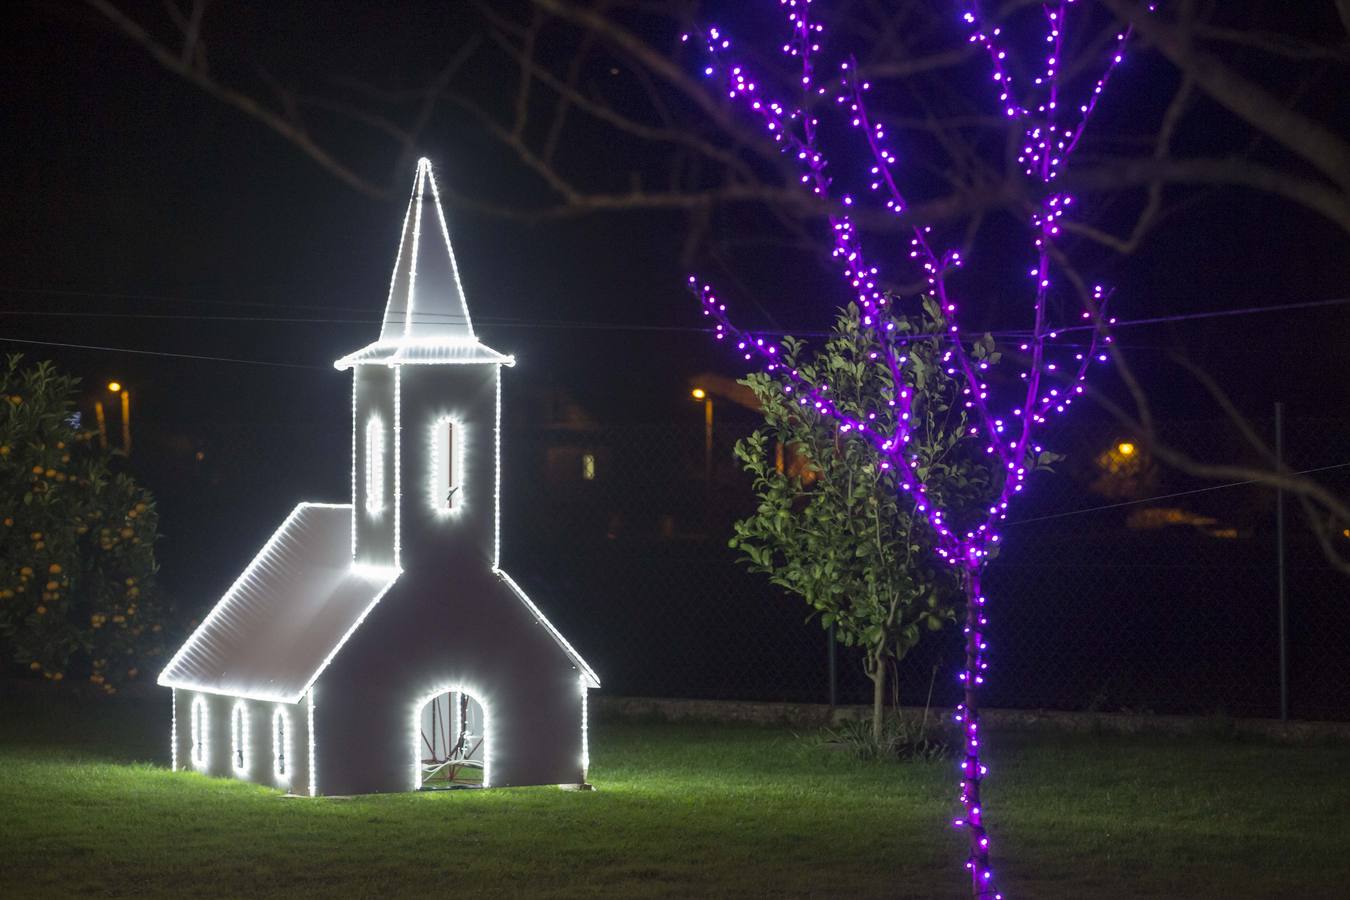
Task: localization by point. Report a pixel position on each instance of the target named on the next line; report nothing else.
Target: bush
(902, 738)
(77, 561)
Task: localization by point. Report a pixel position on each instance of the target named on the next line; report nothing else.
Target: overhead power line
(1203, 490)
(196, 356)
(582, 325)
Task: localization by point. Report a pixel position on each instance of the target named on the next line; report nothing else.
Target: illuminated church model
(378, 645)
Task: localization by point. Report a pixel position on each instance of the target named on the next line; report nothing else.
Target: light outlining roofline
(364, 571)
(588, 675)
(398, 257)
(215, 612)
(392, 353)
(424, 165)
(393, 575)
(586, 671)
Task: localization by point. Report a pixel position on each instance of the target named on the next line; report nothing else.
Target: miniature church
(377, 645)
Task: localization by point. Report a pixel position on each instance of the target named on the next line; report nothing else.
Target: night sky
(127, 192)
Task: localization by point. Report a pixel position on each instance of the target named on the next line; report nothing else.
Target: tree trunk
(877, 672)
(972, 770)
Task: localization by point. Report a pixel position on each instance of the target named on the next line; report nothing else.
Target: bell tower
(426, 411)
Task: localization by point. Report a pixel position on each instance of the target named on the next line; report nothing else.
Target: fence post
(1279, 562)
(834, 669)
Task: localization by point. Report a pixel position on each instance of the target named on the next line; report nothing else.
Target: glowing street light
(1125, 448)
(115, 387)
(699, 393)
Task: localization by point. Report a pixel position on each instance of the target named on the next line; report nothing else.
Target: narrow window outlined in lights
(239, 737)
(198, 731)
(588, 466)
(446, 485)
(374, 466)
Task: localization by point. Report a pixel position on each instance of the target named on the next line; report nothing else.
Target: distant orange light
(115, 387)
(1125, 448)
(698, 393)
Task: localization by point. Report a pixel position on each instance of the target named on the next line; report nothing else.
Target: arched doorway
(452, 742)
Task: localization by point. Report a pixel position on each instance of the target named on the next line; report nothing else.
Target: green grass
(87, 808)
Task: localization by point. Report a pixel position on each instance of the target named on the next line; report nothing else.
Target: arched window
(281, 744)
(198, 731)
(239, 738)
(374, 466)
(447, 465)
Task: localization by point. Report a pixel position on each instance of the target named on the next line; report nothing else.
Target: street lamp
(699, 393)
(115, 387)
(1125, 448)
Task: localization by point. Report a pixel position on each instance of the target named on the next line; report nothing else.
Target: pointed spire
(426, 299)
(426, 319)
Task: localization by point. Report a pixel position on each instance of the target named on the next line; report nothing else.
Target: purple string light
(1010, 437)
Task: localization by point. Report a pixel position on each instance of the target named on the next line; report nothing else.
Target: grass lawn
(87, 808)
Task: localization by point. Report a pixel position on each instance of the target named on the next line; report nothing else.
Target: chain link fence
(1121, 586)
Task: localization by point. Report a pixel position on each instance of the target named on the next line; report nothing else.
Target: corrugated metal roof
(286, 616)
(415, 351)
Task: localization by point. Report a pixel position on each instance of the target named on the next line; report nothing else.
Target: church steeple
(426, 318)
(426, 298)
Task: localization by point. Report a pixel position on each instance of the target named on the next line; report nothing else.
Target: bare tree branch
(1244, 98)
(240, 101)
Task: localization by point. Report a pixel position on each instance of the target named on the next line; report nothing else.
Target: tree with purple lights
(832, 525)
(1052, 112)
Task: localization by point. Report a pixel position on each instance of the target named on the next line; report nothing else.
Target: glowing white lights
(398, 467)
(173, 730)
(375, 462)
(283, 759)
(587, 673)
(585, 728)
(239, 743)
(270, 638)
(445, 484)
(199, 725)
(474, 694)
(497, 476)
(266, 603)
(313, 763)
(374, 574)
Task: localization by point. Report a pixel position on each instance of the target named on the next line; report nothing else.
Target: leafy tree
(833, 525)
(77, 562)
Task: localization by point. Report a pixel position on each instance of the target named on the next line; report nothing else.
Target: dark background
(135, 208)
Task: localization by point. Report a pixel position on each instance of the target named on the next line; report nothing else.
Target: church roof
(286, 617)
(281, 623)
(426, 319)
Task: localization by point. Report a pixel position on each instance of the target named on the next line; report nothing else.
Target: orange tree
(77, 560)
